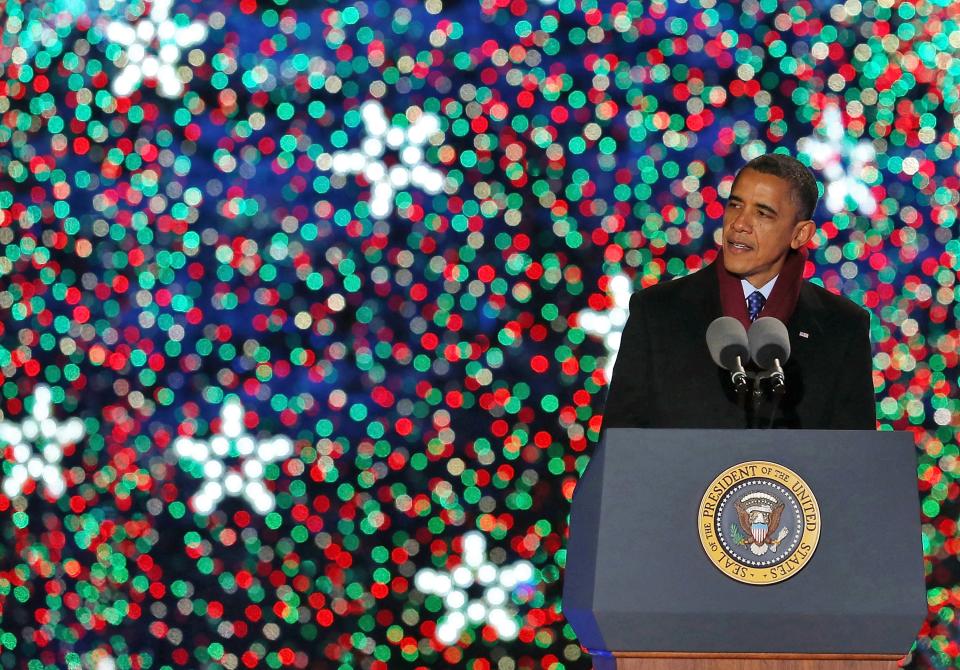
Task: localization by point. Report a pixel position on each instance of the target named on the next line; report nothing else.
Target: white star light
(412, 170)
(232, 441)
(492, 607)
(38, 444)
(829, 155)
(152, 49)
(609, 325)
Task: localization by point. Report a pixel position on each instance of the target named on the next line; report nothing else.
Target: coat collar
(708, 294)
(808, 317)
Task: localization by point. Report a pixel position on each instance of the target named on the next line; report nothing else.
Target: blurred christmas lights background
(307, 308)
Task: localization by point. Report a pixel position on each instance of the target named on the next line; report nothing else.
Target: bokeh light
(307, 308)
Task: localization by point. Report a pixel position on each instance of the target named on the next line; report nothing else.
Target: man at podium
(710, 547)
(665, 377)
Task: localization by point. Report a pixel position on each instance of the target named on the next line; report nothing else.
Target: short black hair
(805, 193)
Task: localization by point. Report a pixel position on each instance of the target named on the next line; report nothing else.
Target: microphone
(770, 349)
(729, 348)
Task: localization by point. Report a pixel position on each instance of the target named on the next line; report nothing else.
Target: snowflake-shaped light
(609, 324)
(492, 607)
(408, 142)
(152, 48)
(38, 443)
(233, 442)
(829, 150)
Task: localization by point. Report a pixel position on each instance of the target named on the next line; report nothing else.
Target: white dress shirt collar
(765, 290)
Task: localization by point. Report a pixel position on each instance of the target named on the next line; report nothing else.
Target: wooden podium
(659, 576)
(640, 661)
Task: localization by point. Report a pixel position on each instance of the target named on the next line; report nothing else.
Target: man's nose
(741, 222)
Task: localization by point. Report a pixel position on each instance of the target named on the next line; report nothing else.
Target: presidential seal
(759, 522)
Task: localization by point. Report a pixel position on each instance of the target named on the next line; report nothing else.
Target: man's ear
(802, 233)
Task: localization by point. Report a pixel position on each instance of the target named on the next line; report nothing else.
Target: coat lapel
(708, 294)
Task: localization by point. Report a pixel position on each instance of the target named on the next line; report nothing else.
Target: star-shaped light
(492, 608)
(408, 142)
(233, 442)
(38, 443)
(152, 49)
(609, 325)
(829, 150)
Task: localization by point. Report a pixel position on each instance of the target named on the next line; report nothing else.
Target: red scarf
(782, 300)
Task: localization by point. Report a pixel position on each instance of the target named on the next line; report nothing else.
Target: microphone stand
(756, 395)
(740, 379)
(777, 385)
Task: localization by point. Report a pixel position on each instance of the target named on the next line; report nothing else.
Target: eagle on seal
(759, 515)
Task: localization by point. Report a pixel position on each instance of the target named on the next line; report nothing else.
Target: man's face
(760, 227)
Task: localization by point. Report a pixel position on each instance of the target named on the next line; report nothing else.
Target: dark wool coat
(664, 376)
